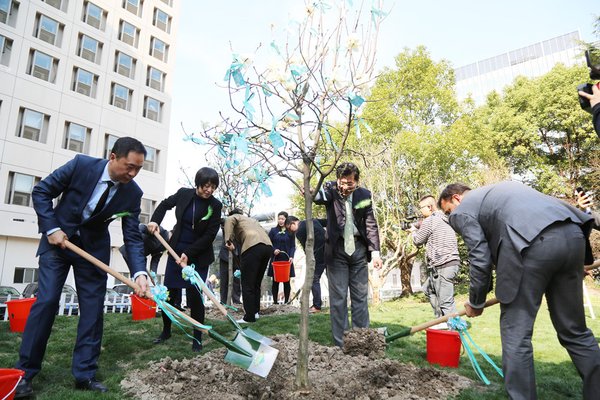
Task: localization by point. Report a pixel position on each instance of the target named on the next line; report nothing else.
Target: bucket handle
(13, 389)
(282, 252)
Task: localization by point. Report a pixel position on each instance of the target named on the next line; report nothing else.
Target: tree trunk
(302, 382)
(230, 281)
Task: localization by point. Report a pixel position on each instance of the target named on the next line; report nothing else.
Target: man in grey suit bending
(538, 245)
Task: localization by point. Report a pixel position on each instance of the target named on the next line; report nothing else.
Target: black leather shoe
(163, 337)
(91, 384)
(24, 389)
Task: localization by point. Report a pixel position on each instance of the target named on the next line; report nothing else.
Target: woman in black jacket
(198, 217)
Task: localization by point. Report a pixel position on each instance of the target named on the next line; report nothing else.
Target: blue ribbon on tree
(235, 72)
(459, 325)
(247, 106)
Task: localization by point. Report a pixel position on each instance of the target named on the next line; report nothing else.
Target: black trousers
(194, 302)
(254, 265)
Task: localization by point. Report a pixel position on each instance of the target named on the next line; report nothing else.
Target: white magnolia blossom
(289, 85)
(353, 43)
(337, 80)
(276, 71)
(246, 59)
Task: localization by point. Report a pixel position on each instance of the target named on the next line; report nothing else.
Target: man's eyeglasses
(347, 184)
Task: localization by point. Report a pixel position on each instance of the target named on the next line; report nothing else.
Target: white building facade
(75, 75)
(480, 78)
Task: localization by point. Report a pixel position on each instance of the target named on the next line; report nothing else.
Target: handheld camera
(592, 58)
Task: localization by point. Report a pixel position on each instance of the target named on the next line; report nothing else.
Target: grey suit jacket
(498, 222)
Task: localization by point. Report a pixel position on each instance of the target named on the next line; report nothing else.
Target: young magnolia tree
(288, 111)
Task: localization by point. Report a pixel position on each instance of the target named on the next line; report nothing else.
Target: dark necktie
(102, 202)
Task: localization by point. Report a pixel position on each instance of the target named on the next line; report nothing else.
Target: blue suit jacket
(76, 181)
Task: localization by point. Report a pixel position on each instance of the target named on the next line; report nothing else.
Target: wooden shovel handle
(206, 291)
(445, 318)
(84, 254)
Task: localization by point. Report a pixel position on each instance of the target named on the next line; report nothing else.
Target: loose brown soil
(358, 374)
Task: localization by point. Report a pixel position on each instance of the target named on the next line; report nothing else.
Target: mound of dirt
(364, 341)
(332, 374)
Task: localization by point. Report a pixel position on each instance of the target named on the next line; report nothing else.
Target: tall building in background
(75, 75)
(494, 73)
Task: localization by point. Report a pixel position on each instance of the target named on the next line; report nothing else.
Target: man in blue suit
(91, 191)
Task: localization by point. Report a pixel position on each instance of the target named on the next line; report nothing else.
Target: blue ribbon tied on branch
(460, 326)
(235, 72)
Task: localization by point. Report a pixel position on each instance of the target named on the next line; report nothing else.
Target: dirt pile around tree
(333, 375)
(364, 341)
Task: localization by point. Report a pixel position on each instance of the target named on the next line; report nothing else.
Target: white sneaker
(241, 321)
(256, 316)
(440, 326)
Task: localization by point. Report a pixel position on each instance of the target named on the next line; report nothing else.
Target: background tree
(538, 127)
(421, 139)
(287, 112)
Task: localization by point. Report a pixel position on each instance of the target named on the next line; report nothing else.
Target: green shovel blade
(249, 332)
(257, 336)
(262, 356)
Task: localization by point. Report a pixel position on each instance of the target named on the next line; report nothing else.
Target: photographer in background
(585, 202)
(443, 261)
(594, 99)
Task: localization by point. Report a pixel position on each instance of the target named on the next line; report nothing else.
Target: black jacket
(201, 251)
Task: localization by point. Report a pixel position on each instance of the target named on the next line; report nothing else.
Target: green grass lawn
(128, 345)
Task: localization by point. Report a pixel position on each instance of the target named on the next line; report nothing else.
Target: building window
(155, 79)
(5, 50)
(94, 15)
(159, 49)
(48, 30)
(125, 64)
(9, 10)
(25, 275)
(33, 125)
(121, 96)
(42, 66)
(20, 187)
(89, 48)
(128, 33)
(109, 142)
(133, 6)
(168, 2)
(147, 208)
(77, 137)
(151, 160)
(152, 109)
(58, 4)
(84, 82)
(162, 20)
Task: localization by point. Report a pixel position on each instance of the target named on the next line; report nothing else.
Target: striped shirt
(439, 238)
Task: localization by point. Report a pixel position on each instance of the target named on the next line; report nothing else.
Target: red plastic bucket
(18, 311)
(281, 271)
(443, 347)
(9, 379)
(142, 308)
